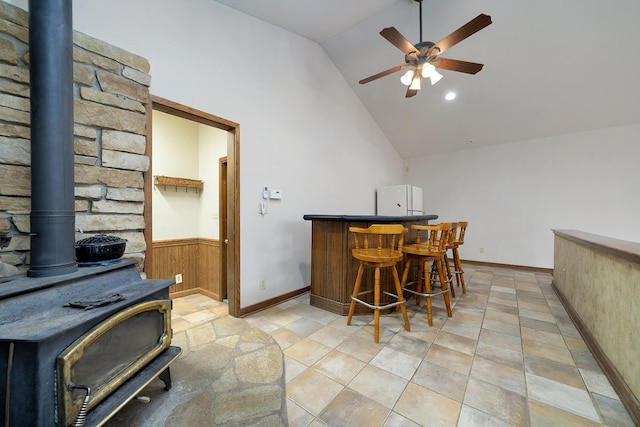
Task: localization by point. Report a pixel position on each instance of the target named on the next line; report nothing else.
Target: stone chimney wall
(111, 91)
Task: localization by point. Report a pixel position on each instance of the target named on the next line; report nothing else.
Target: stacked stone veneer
(111, 89)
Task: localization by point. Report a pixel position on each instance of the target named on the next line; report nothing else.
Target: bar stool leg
(405, 272)
(434, 275)
(376, 303)
(405, 276)
(427, 284)
(421, 269)
(458, 269)
(449, 275)
(356, 289)
(443, 281)
(401, 298)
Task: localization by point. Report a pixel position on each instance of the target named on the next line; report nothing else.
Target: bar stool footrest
(433, 277)
(378, 307)
(424, 294)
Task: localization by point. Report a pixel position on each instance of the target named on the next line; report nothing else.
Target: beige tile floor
(510, 355)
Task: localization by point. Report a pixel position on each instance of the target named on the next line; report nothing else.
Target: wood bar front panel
(328, 282)
(334, 270)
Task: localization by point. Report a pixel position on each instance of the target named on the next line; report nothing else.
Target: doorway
(229, 206)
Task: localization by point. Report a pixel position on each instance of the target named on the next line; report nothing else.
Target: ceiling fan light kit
(435, 77)
(407, 78)
(430, 72)
(423, 58)
(415, 83)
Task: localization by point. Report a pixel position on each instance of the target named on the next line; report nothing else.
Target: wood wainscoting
(197, 259)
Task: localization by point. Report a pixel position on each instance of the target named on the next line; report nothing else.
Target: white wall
(175, 154)
(303, 130)
(212, 146)
(513, 195)
(186, 149)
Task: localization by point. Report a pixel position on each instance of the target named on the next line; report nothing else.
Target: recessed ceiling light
(450, 96)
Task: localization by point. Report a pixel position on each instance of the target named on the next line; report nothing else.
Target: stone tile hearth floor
(510, 355)
(230, 374)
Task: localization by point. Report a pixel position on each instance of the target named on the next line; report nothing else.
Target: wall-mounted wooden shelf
(179, 182)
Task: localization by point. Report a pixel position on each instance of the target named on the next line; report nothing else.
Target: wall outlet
(481, 250)
(178, 278)
(263, 284)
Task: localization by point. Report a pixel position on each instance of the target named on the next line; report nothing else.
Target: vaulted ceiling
(551, 67)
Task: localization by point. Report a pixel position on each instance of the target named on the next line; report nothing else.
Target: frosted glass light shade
(435, 77)
(407, 77)
(427, 69)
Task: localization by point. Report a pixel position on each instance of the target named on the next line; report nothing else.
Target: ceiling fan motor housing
(423, 53)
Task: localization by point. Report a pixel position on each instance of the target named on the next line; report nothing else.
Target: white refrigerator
(399, 200)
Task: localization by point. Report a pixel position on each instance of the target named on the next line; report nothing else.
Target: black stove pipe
(52, 156)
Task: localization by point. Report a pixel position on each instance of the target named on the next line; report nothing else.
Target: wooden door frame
(233, 189)
(222, 226)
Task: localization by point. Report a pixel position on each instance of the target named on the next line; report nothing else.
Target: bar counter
(333, 268)
(598, 281)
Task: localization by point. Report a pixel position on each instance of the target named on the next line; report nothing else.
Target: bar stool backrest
(379, 239)
(434, 237)
(451, 238)
(459, 239)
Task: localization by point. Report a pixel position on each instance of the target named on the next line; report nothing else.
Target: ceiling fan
(424, 57)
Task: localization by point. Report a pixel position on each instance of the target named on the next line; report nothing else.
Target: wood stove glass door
(109, 354)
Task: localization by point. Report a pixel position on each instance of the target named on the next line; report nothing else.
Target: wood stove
(49, 344)
(67, 332)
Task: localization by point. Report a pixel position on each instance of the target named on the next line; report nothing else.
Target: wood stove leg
(165, 376)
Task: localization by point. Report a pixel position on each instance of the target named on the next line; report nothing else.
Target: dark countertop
(368, 218)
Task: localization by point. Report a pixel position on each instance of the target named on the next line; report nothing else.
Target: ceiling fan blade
(410, 93)
(398, 40)
(383, 73)
(468, 29)
(457, 65)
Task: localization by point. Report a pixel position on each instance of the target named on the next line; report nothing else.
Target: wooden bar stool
(379, 246)
(430, 246)
(457, 240)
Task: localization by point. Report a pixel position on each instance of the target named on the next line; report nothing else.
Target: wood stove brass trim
(68, 409)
